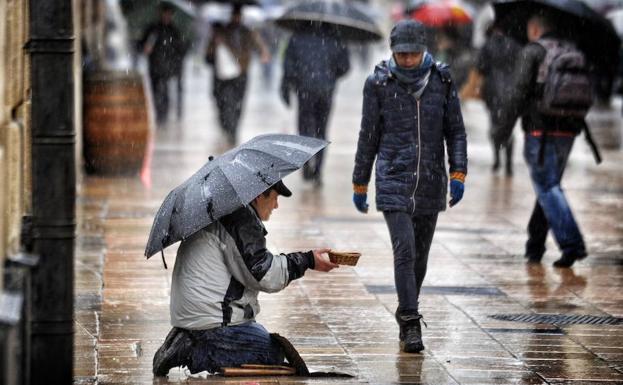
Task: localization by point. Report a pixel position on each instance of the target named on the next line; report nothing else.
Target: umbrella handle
(163, 261)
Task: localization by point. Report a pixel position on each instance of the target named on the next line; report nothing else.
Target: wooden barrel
(116, 123)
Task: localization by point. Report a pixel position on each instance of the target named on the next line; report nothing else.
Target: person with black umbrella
(551, 91)
(165, 49)
(314, 61)
(219, 272)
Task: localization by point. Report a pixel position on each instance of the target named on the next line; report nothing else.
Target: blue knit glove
(456, 188)
(360, 197)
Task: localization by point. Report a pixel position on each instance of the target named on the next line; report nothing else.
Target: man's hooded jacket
(220, 270)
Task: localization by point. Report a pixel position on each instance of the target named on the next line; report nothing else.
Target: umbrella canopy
(440, 13)
(227, 183)
(574, 20)
(140, 13)
(350, 21)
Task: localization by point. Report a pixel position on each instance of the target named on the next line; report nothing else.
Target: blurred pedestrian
(494, 68)
(165, 48)
(451, 48)
(219, 272)
(229, 52)
(314, 61)
(552, 95)
(411, 111)
(272, 37)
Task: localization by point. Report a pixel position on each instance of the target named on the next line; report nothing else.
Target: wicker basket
(344, 257)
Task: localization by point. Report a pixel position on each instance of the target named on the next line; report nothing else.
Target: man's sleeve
(210, 52)
(454, 133)
(482, 64)
(343, 61)
(140, 45)
(289, 61)
(523, 82)
(369, 134)
(258, 42)
(268, 272)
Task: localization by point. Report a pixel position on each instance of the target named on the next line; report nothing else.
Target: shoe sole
(416, 348)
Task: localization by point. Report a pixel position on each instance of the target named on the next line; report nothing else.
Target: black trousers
(411, 240)
(229, 95)
(314, 108)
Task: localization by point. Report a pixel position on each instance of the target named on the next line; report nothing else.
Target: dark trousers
(179, 88)
(497, 125)
(229, 95)
(313, 116)
(160, 90)
(411, 240)
(551, 209)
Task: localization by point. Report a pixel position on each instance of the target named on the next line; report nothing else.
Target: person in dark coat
(314, 61)
(230, 87)
(218, 275)
(165, 49)
(411, 114)
(548, 143)
(496, 61)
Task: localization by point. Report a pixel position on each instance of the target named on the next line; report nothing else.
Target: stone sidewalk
(343, 320)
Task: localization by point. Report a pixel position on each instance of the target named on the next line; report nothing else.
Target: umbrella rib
(264, 153)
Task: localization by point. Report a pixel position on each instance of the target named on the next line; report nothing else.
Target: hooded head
(408, 36)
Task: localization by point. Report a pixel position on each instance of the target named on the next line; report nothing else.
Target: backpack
(565, 80)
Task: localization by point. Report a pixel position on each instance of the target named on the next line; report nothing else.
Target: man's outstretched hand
(322, 263)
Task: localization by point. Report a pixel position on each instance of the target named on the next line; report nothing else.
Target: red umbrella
(441, 13)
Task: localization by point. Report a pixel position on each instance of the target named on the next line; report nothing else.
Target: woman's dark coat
(406, 137)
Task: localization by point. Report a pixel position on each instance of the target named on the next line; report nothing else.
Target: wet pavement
(343, 321)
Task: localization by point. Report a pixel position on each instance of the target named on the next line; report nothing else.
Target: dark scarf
(415, 79)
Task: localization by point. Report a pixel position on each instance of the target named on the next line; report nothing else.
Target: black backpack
(565, 80)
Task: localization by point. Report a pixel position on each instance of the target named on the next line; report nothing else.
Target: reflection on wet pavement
(344, 321)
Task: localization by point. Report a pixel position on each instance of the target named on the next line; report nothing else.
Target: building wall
(15, 146)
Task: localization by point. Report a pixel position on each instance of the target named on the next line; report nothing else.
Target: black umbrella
(349, 20)
(593, 33)
(227, 183)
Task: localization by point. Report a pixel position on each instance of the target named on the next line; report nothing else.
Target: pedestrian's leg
(239, 91)
(322, 107)
(537, 234)
(220, 97)
(509, 156)
(306, 123)
(165, 99)
(232, 346)
(424, 229)
(159, 90)
(495, 145)
(180, 94)
(496, 157)
(546, 181)
(228, 110)
(403, 243)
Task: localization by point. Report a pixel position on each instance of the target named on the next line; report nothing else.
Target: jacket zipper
(419, 153)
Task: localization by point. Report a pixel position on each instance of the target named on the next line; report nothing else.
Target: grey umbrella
(349, 20)
(227, 183)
